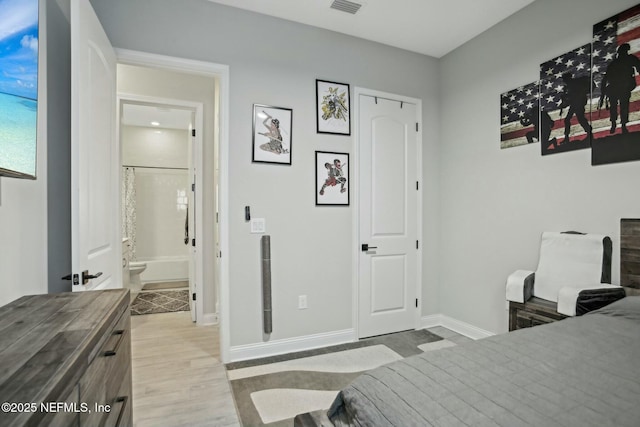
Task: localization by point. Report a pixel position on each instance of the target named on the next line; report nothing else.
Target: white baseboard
(455, 325)
(288, 345)
(430, 321)
(308, 342)
(209, 319)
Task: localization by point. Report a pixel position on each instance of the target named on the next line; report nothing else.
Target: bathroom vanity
(65, 360)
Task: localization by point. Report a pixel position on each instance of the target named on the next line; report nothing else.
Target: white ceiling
(430, 27)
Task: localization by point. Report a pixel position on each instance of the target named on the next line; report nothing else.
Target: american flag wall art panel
(565, 101)
(616, 93)
(519, 124)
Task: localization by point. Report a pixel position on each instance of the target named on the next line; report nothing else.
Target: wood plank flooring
(178, 379)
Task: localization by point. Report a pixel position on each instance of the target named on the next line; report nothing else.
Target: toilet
(135, 269)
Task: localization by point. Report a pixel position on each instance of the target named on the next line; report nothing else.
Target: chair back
(571, 259)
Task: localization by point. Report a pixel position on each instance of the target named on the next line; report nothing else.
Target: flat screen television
(18, 87)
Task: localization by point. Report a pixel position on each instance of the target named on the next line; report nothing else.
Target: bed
(581, 371)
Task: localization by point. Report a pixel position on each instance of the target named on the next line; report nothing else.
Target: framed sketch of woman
(271, 134)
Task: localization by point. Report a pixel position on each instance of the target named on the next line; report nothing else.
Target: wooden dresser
(65, 360)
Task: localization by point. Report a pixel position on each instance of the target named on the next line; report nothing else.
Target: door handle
(86, 276)
(366, 247)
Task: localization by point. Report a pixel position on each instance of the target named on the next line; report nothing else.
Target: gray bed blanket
(582, 371)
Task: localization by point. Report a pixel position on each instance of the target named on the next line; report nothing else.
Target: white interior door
(388, 207)
(96, 242)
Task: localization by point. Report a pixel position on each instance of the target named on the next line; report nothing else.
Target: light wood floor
(178, 379)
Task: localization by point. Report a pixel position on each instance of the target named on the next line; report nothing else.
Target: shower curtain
(129, 208)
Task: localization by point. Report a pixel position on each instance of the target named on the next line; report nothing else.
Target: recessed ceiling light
(155, 123)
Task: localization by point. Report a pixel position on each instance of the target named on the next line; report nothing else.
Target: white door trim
(198, 109)
(357, 91)
(221, 72)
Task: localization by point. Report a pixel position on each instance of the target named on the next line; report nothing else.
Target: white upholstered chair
(574, 271)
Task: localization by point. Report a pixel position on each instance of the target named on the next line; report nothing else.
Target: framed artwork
(271, 134)
(332, 179)
(519, 116)
(565, 101)
(616, 94)
(333, 108)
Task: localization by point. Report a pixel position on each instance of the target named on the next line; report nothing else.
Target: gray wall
(495, 203)
(276, 62)
(484, 208)
(34, 221)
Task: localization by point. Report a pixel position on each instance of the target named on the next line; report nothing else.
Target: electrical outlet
(302, 302)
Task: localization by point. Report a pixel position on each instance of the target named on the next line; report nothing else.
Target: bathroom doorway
(161, 159)
(146, 75)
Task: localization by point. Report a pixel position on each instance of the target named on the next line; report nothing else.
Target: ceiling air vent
(346, 6)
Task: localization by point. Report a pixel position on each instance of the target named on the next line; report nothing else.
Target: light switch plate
(258, 225)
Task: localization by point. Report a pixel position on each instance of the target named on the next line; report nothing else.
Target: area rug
(272, 391)
(151, 302)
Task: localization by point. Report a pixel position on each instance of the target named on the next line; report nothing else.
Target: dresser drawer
(121, 415)
(105, 376)
(65, 418)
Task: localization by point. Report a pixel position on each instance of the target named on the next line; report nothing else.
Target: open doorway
(168, 147)
(159, 210)
(215, 176)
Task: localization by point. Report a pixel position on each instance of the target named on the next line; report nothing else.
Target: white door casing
(191, 219)
(388, 213)
(221, 73)
(96, 243)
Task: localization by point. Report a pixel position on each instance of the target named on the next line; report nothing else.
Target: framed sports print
(271, 134)
(332, 179)
(333, 108)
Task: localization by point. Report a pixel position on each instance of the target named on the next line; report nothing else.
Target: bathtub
(165, 270)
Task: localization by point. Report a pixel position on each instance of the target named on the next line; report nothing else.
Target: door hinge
(416, 126)
(193, 296)
(417, 185)
(193, 242)
(193, 187)
(193, 132)
(417, 244)
(416, 302)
